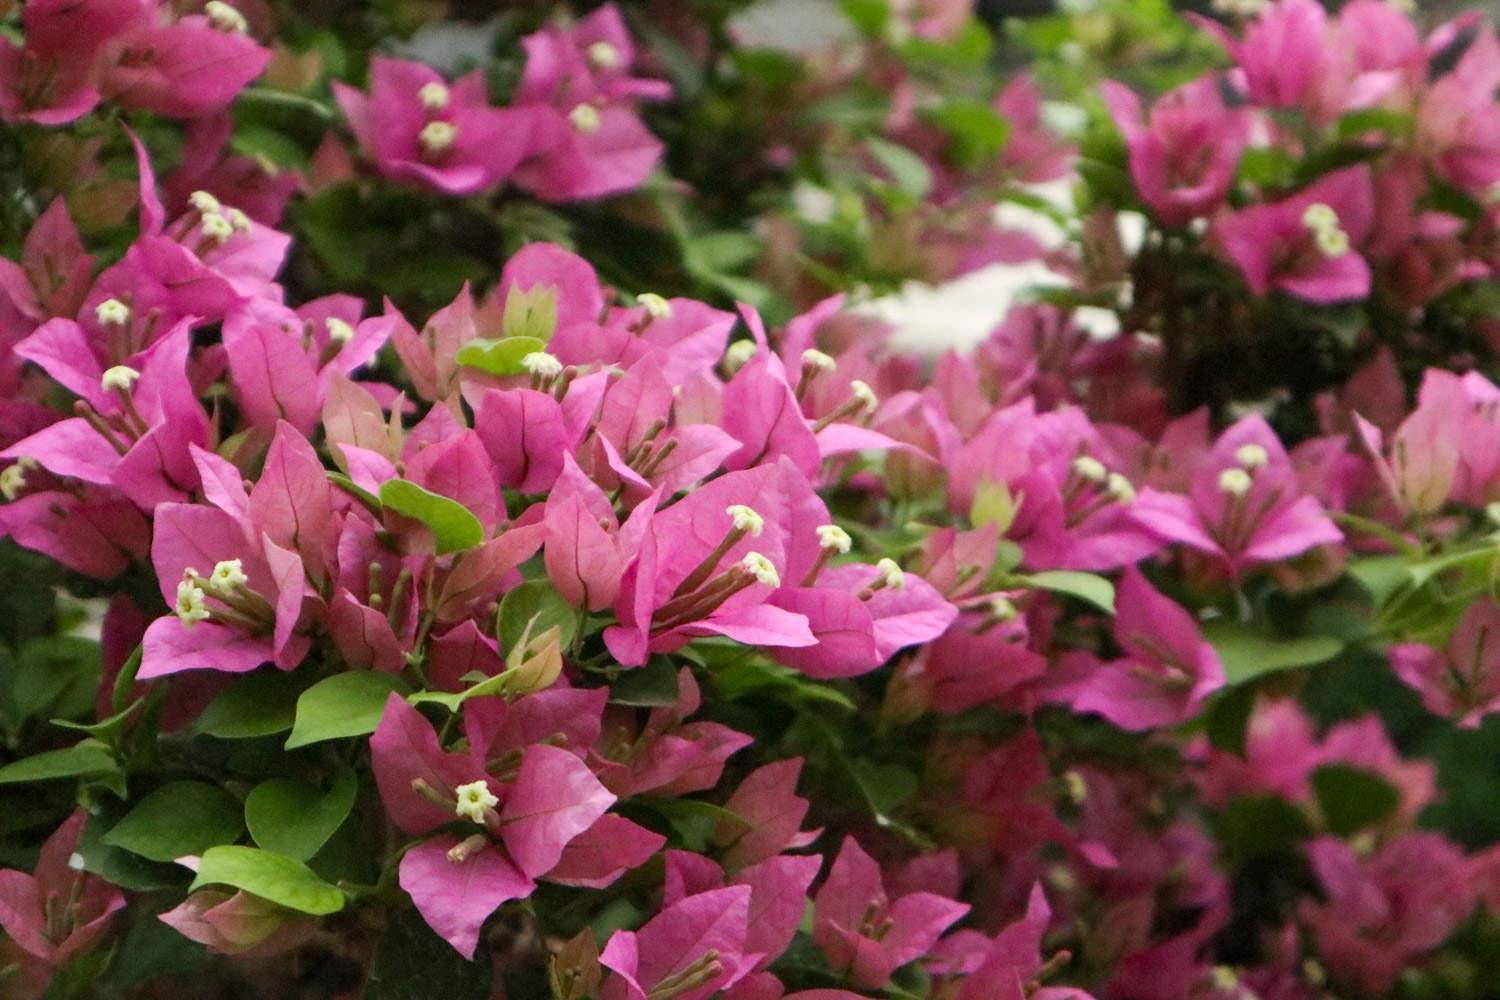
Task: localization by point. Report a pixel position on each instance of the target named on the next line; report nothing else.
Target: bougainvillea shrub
(472, 528)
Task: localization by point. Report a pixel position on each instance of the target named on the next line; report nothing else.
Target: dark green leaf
(275, 877)
(295, 817)
(260, 704)
(343, 705)
(88, 758)
(1256, 826)
(454, 528)
(413, 963)
(185, 817)
(1352, 798)
(650, 686)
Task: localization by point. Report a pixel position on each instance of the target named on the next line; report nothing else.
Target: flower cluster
(558, 635)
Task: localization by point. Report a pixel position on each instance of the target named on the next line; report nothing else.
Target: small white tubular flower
(603, 55)
(746, 519)
(437, 137)
(1235, 482)
(120, 377)
(814, 358)
(239, 220)
(834, 539)
(224, 17)
(585, 118)
(1332, 242)
(434, 96)
(656, 307)
(1120, 488)
(542, 364)
(861, 391)
(891, 574)
(203, 202)
(12, 481)
(217, 228)
(760, 567)
(76, 861)
(339, 331)
(190, 607)
(1251, 456)
(738, 353)
(473, 799)
(112, 312)
(227, 577)
(1090, 468)
(1320, 216)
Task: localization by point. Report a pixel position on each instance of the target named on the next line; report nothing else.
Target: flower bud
(834, 538)
(1251, 456)
(203, 202)
(585, 118)
(656, 307)
(120, 378)
(226, 18)
(1120, 488)
(434, 96)
(603, 55)
(1090, 468)
(760, 567)
(112, 312)
(814, 358)
(437, 137)
(542, 365)
(1235, 482)
(891, 574)
(745, 519)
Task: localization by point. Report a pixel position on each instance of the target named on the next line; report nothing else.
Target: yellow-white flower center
(585, 118)
(814, 358)
(437, 137)
(227, 577)
(1090, 468)
(120, 377)
(226, 18)
(760, 567)
(112, 312)
(190, 607)
(1235, 482)
(1251, 456)
(434, 96)
(12, 481)
(542, 364)
(603, 55)
(473, 800)
(866, 396)
(891, 575)
(339, 331)
(655, 306)
(746, 519)
(834, 538)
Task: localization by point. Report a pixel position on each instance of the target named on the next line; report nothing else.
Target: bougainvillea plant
(472, 529)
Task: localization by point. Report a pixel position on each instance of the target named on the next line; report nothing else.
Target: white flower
(542, 364)
(760, 567)
(814, 358)
(1120, 488)
(603, 55)
(437, 137)
(339, 331)
(585, 118)
(834, 538)
(120, 377)
(227, 577)
(1090, 468)
(473, 799)
(862, 392)
(1251, 456)
(203, 202)
(1332, 242)
(12, 480)
(1320, 216)
(190, 607)
(656, 306)
(75, 861)
(434, 96)
(225, 17)
(1235, 482)
(112, 312)
(891, 574)
(217, 228)
(746, 519)
(239, 220)
(738, 353)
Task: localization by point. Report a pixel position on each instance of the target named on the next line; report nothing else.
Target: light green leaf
(342, 705)
(1247, 654)
(295, 817)
(185, 817)
(1089, 587)
(275, 877)
(905, 167)
(535, 599)
(500, 356)
(88, 758)
(453, 526)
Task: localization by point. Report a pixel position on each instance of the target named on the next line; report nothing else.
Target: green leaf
(1357, 123)
(260, 704)
(499, 356)
(869, 16)
(1381, 576)
(185, 817)
(275, 877)
(978, 132)
(295, 817)
(88, 758)
(56, 675)
(1255, 826)
(1352, 798)
(905, 167)
(650, 686)
(535, 599)
(413, 963)
(1247, 654)
(453, 526)
(720, 251)
(343, 705)
(1090, 587)
(1228, 719)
